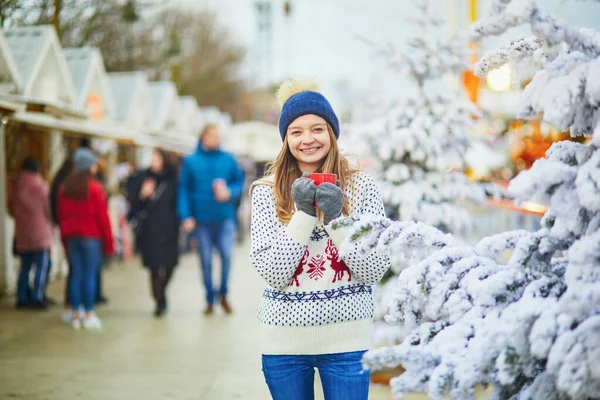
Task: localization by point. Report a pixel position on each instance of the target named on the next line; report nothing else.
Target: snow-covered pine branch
(515, 51)
(549, 30)
(422, 160)
(408, 239)
(529, 325)
(560, 91)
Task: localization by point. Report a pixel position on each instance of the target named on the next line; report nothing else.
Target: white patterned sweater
(316, 302)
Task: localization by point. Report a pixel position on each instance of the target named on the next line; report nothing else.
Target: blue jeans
(292, 377)
(84, 261)
(219, 235)
(41, 261)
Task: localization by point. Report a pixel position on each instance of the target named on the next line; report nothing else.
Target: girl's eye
(296, 132)
(318, 129)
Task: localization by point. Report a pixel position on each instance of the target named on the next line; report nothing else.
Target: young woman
(318, 309)
(155, 209)
(85, 227)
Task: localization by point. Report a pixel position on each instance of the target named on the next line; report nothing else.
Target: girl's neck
(310, 168)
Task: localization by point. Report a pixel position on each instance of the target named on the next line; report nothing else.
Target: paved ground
(183, 356)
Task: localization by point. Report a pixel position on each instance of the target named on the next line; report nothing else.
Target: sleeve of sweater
(276, 251)
(371, 266)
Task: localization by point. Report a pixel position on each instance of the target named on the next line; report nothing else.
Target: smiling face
(309, 141)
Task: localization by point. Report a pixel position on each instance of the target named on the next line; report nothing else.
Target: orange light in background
(94, 106)
(534, 208)
(472, 84)
(473, 10)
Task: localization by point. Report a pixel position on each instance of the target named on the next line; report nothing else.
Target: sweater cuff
(301, 226)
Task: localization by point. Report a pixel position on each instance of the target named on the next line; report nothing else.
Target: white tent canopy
(90, 79)
(10, 79)
(39, 58)
(256, 140)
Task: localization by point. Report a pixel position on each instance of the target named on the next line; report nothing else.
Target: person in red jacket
(33, 233)
(85, 228)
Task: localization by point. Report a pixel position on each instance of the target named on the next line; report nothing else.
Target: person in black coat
(157, 227)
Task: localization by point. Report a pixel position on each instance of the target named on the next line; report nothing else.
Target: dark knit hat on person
(83, 159)
(30, 165)
(301, 98)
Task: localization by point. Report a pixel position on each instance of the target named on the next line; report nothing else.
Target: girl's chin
(311, 159)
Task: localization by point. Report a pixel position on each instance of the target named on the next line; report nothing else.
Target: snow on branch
(516, 50)
(529, 325)
(549, 30)
(505, 15)
(412, 239)
(491, 246)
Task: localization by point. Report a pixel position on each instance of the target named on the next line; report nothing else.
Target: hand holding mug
(303, 193)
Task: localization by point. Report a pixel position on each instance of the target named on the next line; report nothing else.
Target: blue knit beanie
(298, 102)
(83, 159)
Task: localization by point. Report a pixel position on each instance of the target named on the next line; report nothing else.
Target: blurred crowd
(175, 205)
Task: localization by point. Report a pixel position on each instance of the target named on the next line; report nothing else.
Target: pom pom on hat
(301, 97)
(290, 87)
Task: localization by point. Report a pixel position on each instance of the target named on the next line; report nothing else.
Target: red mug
(322, 178)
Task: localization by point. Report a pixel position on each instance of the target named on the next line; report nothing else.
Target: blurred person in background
(132, 185)
(59, 178)
(30, 208)
(210, 183)
(157, 224)
(85, 228)
(100, 175)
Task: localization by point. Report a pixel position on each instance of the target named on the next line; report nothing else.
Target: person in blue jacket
(210, 183)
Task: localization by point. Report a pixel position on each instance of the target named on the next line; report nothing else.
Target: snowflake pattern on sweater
(310, 283)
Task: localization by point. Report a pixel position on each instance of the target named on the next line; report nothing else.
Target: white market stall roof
(10, 80)
(10, 107)
(51, 107)
(102, 129)
(212, 115)
(164, 99)
(179, 144)
(189, 118)
(39, 58)
(90, 78)
(132, 101)
(256, 140)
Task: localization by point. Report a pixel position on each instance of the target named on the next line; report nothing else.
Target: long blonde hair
(285, 171)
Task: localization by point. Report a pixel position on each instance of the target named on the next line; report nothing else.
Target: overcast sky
(321, 38)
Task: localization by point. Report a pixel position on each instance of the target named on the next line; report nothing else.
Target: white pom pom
(290, 87)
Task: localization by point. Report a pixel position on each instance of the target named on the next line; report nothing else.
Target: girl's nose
(307, 138)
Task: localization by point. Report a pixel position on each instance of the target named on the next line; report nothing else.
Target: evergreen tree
(420, 142)
(529, 325)
(423, 142)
